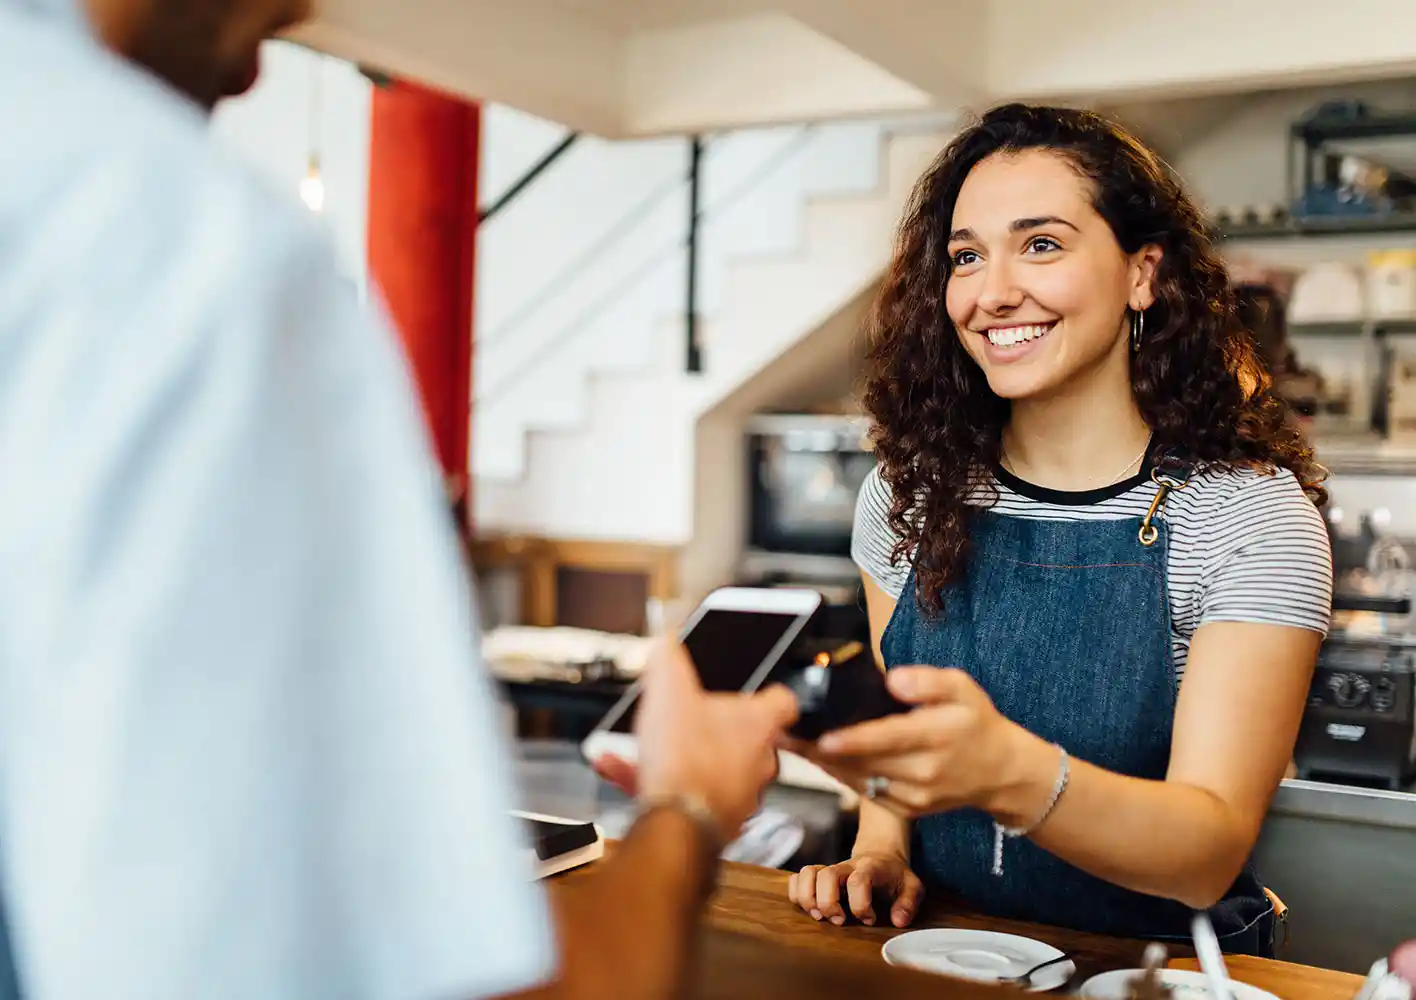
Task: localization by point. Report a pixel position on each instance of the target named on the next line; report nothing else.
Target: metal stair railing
(603, 302)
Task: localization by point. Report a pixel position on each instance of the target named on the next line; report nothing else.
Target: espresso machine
(1360, 722)
(1359, 725)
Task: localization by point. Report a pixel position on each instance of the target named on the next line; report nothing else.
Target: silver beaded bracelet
(696, 808)
(1002, 833)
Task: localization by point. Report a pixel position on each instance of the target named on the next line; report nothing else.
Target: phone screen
(727, 647)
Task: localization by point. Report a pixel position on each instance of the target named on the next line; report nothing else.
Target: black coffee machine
(1360, 723)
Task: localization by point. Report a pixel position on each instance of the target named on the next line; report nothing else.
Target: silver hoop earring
(1138, 328)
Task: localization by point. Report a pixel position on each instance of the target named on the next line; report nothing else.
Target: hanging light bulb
(312, 191)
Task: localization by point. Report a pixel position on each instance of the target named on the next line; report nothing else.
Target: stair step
(613, 362)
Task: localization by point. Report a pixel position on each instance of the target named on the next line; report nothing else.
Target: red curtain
(422, 242)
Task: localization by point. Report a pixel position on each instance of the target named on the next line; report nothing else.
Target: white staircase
(584, 420)
(845, 245)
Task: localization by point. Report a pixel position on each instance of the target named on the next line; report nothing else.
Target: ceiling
(647, 67)
(640, 14)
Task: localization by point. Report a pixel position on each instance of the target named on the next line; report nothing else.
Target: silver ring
(876, 787)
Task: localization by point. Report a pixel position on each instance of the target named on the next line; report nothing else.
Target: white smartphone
(735, 638)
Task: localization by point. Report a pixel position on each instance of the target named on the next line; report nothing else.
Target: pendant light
(312, 189)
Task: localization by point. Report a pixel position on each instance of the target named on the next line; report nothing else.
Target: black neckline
(1073, 498)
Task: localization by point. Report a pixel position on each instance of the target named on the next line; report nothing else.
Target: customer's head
(1029, 250)
(208, 49)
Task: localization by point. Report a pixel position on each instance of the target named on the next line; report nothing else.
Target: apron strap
(1170, 473)
(1173, 466)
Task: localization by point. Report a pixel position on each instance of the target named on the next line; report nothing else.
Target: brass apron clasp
(1166, 484)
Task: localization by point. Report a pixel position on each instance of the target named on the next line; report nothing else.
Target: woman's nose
(999, 292)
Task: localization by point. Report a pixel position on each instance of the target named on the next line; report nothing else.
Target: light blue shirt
(247, 749)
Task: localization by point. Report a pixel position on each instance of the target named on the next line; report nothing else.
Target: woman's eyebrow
(1038, 221)
(1016, 226)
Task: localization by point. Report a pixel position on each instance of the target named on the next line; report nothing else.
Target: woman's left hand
(954, 750)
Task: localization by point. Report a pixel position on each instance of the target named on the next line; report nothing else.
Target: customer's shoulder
(99, 145)
(134, 238)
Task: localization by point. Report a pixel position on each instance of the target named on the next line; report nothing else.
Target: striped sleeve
(872, 540)
(1270, 561)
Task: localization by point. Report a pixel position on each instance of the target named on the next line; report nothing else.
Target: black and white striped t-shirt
(1244, 546)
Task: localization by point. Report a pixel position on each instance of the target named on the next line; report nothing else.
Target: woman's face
(1039, 286)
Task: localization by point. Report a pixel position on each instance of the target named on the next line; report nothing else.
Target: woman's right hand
(818, 890)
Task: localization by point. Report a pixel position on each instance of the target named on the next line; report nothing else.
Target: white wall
(303, 102)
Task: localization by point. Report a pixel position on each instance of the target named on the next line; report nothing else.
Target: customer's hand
(954, 750)
(817, 890)
(1403, 961)
(720, 748)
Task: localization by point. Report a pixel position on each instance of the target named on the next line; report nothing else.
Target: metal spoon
(1025, 978)
(1211, 957)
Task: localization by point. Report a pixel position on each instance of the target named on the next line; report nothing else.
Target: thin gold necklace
(1008, 463)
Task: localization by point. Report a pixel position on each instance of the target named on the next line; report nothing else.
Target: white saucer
(982, 956)
(1188, 985)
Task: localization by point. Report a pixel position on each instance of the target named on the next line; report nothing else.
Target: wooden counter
(753, 901)
(1286, 980)
(756, 944)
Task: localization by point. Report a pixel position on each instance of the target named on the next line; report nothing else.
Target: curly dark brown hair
(1197, 380)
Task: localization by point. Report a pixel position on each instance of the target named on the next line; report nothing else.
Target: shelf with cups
(1364, 455)
(1337, 225)
(1367, 429)
(1388, 327)
(1334, 184)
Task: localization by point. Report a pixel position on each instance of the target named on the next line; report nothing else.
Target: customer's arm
(627, 930)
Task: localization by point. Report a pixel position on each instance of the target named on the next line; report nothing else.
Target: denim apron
(1066, 625)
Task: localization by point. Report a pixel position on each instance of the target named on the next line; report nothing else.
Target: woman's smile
(1007, 344)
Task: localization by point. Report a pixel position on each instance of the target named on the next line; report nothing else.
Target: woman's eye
(964, 258)
(1043, 244)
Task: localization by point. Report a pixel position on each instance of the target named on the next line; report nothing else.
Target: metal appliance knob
(1347, 690)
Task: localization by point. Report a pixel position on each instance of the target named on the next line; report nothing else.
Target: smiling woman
(1087, 493)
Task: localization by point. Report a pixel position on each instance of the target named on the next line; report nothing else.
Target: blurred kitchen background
(665, 326)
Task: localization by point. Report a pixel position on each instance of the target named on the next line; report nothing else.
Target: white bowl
(1188, 985)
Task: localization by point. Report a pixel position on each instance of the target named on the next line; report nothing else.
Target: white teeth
(1011, 335)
